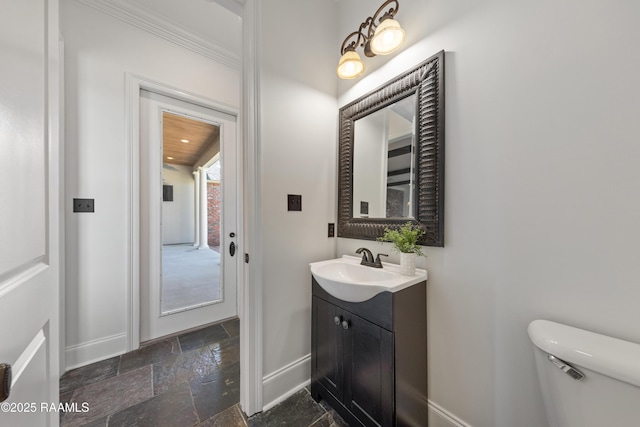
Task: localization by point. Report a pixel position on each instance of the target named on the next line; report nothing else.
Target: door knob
(5, 381)
(346, 324)
(337, 320)
(232, 249)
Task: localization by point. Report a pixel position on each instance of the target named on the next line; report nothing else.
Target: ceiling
(201, 137)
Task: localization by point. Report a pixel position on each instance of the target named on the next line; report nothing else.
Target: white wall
(99, 51)
(298, 154)
(178, 216)
(541, 206)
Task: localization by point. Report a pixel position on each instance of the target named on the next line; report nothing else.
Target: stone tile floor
(189, 380)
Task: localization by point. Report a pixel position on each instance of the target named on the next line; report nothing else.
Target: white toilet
(587, 379)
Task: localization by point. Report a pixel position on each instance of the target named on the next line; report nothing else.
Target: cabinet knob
(346, 324)
(337, 320)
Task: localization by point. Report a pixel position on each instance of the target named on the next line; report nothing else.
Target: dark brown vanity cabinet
(369, 359)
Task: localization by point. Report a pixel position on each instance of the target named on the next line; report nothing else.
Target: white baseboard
(286, 381)
(94, 351)
(440, 417)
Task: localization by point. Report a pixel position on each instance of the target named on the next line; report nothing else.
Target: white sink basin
(345, 279)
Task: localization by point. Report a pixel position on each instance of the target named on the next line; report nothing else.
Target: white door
(185, 283)
(29, 209)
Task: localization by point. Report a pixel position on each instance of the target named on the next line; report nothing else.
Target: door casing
(133, 86)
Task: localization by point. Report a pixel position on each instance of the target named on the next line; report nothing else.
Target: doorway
(188, 211)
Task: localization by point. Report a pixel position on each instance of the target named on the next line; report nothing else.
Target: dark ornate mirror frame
(427, 81)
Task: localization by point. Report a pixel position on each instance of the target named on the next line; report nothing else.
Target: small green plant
(405, 239)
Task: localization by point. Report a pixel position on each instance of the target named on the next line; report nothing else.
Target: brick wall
(213, 212)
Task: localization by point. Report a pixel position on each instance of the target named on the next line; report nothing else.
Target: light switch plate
(294, 202)
(83, 205)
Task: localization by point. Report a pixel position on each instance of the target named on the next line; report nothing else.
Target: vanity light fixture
(379, 34)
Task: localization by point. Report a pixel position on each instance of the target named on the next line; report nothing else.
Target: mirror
(383, 162)
(391, 157)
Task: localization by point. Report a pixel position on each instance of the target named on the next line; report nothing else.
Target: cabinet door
(327, 366)
(369, 373)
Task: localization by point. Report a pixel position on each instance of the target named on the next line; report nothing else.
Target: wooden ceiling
(176, 128)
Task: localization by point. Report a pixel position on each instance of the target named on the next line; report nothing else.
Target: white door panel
(22, 129)
(29, 210)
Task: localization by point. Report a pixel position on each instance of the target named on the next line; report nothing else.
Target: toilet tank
(590, 380)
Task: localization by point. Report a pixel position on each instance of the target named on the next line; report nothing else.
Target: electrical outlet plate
(332, 230)
(294, 202)
(83, 205)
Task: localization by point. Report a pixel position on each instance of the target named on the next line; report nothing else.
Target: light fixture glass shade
(388, 37)
(350, 65)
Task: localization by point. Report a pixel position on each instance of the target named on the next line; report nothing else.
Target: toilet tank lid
(609, 356)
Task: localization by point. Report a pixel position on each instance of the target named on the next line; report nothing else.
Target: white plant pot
(408, 263)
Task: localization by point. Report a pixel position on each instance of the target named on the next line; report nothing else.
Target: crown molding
(234, 6)
(158, 26)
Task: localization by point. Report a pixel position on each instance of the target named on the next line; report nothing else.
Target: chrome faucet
(367, 258)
